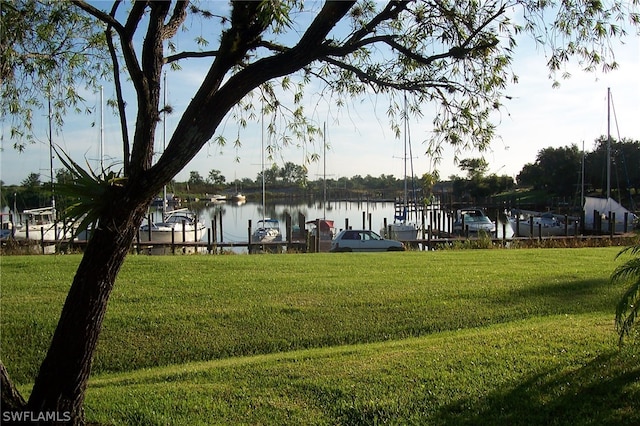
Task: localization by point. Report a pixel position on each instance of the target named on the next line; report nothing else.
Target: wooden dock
(299, 239)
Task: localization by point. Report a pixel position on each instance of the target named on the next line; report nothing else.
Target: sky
(360, 140)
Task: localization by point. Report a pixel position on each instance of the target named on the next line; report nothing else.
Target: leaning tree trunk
(11, 401)
(62, 380)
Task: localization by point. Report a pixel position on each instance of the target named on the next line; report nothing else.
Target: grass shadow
(606, 390)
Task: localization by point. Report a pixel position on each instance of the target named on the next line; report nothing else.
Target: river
(359, 214)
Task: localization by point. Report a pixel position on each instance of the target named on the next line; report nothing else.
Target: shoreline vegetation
(447, 337)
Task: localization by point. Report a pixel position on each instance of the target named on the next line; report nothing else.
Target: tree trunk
(62, 380)
(11, 401)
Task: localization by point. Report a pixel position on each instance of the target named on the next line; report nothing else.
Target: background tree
(32, 181)
(32, 191)
(559, 170)
(475, 167)
(625, 175)
(292, 173)
(530, 176)
(453, 55)
(427, 182)
(216, 178)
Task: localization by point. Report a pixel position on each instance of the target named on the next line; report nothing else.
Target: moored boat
(267, 230)
(474, 221)
(178, 226)
(40, 225)
(534, 224)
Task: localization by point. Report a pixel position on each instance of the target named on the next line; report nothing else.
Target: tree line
(555, 171)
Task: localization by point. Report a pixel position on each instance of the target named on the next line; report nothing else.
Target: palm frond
(629, 304)
(91, 193)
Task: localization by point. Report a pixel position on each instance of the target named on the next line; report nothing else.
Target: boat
(166, 200)
(598, 211)
(6, 226)
(472, 220)
(238, 197)
(177, 226)
(267, 231)
(40, 225)
(543, 224)
(402, 229)
(323, 232)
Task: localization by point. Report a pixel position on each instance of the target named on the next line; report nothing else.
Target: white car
(363, 240)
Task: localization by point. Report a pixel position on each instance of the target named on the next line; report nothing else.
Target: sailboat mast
(608, 142)
(101, 128)
(405, 151)
(324, 173)
(582, 177)
(263, 179)
(164, 141)
(53, 198)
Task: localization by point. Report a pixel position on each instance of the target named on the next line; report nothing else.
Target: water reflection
(234, 218)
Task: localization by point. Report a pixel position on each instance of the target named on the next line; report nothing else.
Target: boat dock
(435, 232)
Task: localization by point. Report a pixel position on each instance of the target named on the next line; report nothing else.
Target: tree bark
(62, 380)
(11, 398)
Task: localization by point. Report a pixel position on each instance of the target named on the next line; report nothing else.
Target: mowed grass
(452, 337)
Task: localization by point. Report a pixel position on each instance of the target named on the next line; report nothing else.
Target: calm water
(236, 217)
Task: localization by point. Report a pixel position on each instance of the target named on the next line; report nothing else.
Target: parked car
(363, 240)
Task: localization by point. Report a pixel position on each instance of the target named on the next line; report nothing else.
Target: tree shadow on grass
(562, 297)
(605, 391)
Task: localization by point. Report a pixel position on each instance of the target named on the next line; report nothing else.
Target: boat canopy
(605, 206)
(324, 224)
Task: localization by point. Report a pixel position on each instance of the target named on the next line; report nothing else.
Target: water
(236, 217)
(359, 214)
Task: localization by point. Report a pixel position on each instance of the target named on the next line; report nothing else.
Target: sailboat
(41, 224)
(267, 229)
(178, 225)
(607, 207)
(401, 228)
(323, 229)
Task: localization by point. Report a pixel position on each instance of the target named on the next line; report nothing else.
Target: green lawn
(451, 337)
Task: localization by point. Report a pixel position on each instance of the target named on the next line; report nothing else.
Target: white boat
(473, 220)
(599, 212)
(40, 225)
(267, 230)
(543, 224)
(180, 225)
(606, 208)
(402, 229)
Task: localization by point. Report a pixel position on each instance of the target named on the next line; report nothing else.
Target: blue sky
(361, 142)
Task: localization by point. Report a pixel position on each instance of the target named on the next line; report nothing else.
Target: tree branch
(120, 100)
(100, 15)
(135, 16)
(177, 18)
(186, 55)
(391, 11)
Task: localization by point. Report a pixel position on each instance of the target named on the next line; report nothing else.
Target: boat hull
(400, 232)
